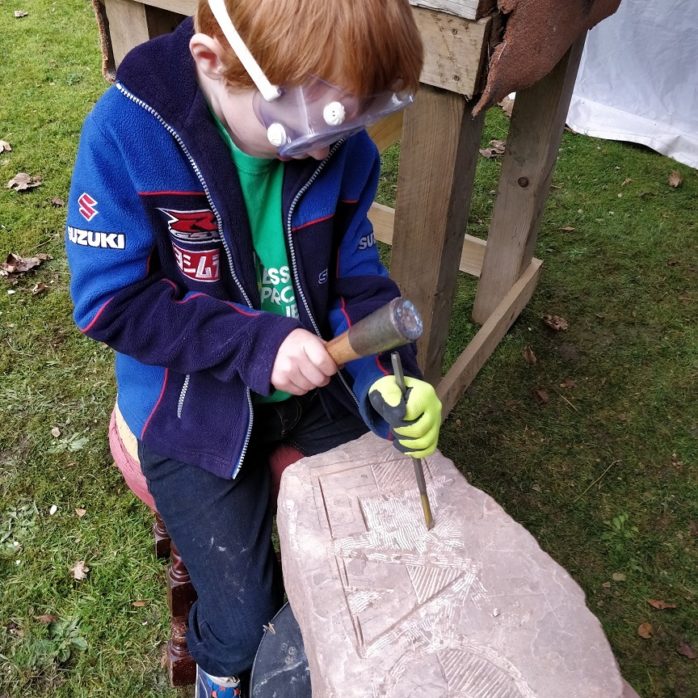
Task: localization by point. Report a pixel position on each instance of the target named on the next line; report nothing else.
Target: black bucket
(280, 668)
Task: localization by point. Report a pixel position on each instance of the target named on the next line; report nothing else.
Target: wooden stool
(180, 591)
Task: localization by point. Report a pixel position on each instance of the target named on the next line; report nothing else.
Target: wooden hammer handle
(396, 323)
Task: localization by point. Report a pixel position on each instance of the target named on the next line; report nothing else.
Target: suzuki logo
(87, 206)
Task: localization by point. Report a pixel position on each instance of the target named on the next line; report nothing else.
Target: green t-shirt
(261, 180)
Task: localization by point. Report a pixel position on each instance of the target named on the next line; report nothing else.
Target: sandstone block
(472, 608)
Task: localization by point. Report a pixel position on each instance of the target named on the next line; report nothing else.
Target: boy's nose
(319, 153)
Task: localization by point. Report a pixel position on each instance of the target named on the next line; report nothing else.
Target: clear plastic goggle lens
(317, 114)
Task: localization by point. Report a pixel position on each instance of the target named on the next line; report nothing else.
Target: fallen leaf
(568, 383)
(555, 322)
(80, 570)
(660, 605)
(14, 265)
(57, 202)
(626, 181)
(529, 355)
(81, 512)
(139, 604)
(568, 229)
(687, 651)
(20, 13)
(5, 146)
(46, 619)
(496, 149)
(22, 181)
(507, 105)
(645, 631)
(675, 179)
(542, 396)
(55, 432)
(618, 577)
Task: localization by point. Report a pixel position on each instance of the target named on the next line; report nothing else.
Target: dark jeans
(222, 529)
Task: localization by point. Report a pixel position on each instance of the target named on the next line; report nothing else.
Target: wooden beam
(469, 9)
(455, 48)
(435, 182)
(455, 51)
(472, 255)
(469, 363)
(387, 131)
(182, 7)
(128, 26)
(161, 21)
(466, 9)
(535, 131)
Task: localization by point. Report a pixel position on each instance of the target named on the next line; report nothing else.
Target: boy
(217, 236)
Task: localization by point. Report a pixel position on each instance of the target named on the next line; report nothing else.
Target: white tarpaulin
(638, 79)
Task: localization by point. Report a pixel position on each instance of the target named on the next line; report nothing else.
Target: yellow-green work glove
(414, 417)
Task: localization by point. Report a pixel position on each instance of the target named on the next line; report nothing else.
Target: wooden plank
(469, 9)
(182, 7)
(475, 355)
(387, 131)
(161, 21)
(455, 48)
(435, 181)
(455, 51)
(537, 123)
(128, 26)
(472, 255)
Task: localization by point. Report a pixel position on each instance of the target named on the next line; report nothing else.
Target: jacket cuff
(272, 335)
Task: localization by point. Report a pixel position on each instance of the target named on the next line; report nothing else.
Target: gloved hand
(415, 418)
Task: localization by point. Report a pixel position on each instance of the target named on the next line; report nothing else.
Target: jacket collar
(162, 74)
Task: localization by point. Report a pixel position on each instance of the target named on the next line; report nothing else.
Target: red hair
(363, 46)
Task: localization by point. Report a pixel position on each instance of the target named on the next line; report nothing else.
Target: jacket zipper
(200, 177)
(289, 237)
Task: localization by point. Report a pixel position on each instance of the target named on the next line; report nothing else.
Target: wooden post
(481, 347)
(128, 26)
(161, 21)
(439, 151)
(537, 123)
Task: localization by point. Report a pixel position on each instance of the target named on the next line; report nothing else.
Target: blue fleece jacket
(162, 265)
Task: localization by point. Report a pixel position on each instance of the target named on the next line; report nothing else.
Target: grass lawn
(592, 447)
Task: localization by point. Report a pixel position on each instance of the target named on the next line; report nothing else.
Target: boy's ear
(207, 53)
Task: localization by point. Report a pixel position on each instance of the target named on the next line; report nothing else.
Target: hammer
(396, 323)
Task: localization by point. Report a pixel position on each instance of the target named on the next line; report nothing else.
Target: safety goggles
(302, 118)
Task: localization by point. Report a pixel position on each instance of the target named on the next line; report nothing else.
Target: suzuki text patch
(94, 238)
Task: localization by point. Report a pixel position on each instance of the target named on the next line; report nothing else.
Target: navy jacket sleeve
(120, 301)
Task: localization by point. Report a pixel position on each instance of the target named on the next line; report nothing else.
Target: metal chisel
(418, 466)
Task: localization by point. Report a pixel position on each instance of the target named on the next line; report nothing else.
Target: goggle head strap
(268, 91)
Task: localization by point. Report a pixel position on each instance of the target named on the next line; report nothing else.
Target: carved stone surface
(471, 608)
